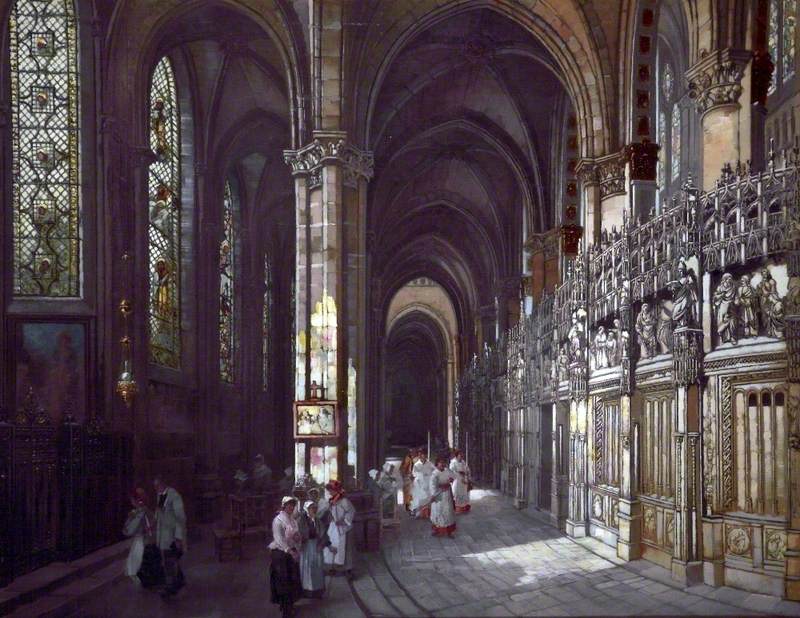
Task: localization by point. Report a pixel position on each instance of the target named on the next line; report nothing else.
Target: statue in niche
(563, 364)
(622, 347)
(664, 334)
(576, 336)
(646, 330)
(684, 297)
(747, 300)
(612, 348)
(599, 348)
(772, 315)
(724, 302)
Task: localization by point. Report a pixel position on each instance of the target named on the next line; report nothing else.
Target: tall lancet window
(266, 323)
(227, 288)
(781, 40)
(675, 142)
(164, 229)
(45, 139)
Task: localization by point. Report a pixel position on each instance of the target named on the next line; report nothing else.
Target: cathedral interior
(562, 237)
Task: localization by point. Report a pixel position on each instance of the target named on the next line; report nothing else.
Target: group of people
(306, 543)
(159, 539)
(436, 492)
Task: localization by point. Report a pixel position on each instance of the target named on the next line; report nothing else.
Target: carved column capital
(716, 80)
(610, 173)
(643, 159)
(331, 148)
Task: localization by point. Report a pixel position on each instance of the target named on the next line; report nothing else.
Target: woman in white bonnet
(284, 567)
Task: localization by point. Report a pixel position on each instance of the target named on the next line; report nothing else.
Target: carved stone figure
(724, 302)
(563, 364)
(599, 349)
(747, 300)
(646, 330)
(684, 297)
(612, 349)
(576, 336)
(771, 305)
(664, 335)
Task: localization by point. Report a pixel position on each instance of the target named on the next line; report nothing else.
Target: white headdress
(287, 499)
(373, 474)
(308, 505)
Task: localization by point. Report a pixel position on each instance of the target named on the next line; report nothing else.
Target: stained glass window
(164, 230)
(266, 322)
(675, 145)
(789, 23)
(773, 36)
(781, 40)
(45, 142)
(667, 82)
(662, 153)
(227, 291)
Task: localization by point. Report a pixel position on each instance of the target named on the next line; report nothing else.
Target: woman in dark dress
(284, 568)
(315, 539)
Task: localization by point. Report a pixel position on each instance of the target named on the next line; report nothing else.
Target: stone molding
(716, 80)
(331, 148)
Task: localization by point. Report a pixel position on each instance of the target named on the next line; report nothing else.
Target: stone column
(330, 186)
(576, 524)
(641, 160)
(559, 488)
(717, 82)
(792, 305)
(687, 566)
(611, 186)
(629, 539)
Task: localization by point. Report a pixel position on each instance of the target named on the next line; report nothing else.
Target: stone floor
(505, 563)
(500, 563)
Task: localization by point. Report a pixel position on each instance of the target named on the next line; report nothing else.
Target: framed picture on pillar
(50, 368)
(316, 419)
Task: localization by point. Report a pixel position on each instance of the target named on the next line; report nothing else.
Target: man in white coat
(422, 472)
(443, 513)
(338, 512)
(170, 534)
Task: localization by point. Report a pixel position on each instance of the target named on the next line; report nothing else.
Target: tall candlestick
(429, 445)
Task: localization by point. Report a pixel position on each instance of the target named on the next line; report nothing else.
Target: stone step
(40, 592)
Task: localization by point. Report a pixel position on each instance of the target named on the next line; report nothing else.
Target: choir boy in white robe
(422, 472)
(443, 512)
(339, 512)
(462, 483)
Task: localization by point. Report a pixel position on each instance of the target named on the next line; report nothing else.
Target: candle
(429, 445)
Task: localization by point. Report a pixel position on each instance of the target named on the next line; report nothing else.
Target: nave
(500, 563)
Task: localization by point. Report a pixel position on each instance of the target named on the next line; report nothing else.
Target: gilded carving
(738, 540)
(669, 530)
(775, 544)
(649, 523)
(597, 506)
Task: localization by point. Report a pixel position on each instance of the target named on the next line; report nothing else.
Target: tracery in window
(781, 40)
(667, 82)
(164, 229)
(227, 288)
(45, 149)
(662, 154)
(266, 322)
(789, 23)
(675, 145)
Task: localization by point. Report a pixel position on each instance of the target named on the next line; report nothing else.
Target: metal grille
(45, 160)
